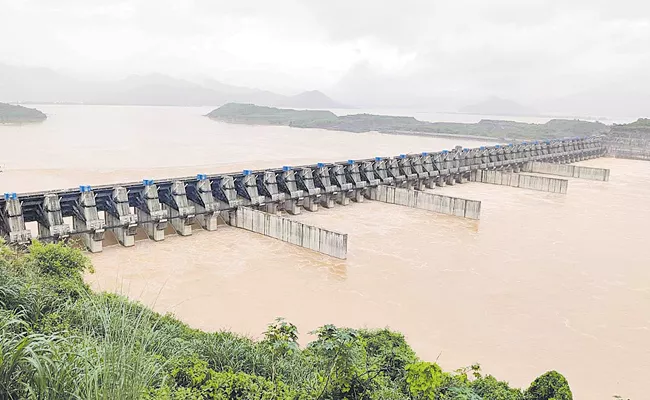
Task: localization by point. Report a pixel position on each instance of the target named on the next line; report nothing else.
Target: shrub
(58, 260)
(192, 379)
(424, 379)
(390, 351)
(490, 388)
(550, 386)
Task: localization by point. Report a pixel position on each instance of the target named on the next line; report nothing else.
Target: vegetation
(10, 114)
(59, 340)
(251, 114)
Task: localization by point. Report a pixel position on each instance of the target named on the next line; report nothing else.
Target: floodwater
(543, 281)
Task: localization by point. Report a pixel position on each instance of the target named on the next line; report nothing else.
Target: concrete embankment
(428, 201)
(630, 154)
(572, 171)
(287, 230)
(504, 178)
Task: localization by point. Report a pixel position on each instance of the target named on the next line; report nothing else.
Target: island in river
(11, 114)
(258, 115)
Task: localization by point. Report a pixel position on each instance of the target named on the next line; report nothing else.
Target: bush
(58, 260)
(390, 351)
(192, 379)
(550, 386)
(490, 388)
(424, 380)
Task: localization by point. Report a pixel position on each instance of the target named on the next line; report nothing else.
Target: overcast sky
(527, 50)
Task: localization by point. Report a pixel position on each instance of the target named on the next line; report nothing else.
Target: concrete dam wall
(506, 178)
(428, 201)
(262, 194)
(287, 230)
(572, 171)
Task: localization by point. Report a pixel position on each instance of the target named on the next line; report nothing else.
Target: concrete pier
(119, 216)
(428, 201)
(86, 220)
(406, 171)
(572, 171)
(50, 219)
(267, 185)
(181, 213)
(338, 179)
(368, 175)
(380, 169)
(205, 205)
(323, 181)
(428, 167)
(294, 196)
(353, 176)
(506, 178)
(152, 216)
(305, 181)
(287, 230)
(13, 222)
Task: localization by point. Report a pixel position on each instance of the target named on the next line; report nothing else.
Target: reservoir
(542, 281)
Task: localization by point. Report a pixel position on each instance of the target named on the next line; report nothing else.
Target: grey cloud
(367, 52)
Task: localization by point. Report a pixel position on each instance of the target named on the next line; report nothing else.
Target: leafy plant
(550, 386)
(424, 379)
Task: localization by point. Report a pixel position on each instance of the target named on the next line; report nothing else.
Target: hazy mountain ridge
(34, 85)
(251, 114)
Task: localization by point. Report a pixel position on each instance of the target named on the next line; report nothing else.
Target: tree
(550, 386)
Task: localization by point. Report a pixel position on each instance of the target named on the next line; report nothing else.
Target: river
(542, 282)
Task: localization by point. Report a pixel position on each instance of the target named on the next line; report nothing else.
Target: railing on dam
(180, 202)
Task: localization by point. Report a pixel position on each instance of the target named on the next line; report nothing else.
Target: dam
(254, 199)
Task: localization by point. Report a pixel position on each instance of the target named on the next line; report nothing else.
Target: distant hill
(22, 84)
(10, 114)
(156, 90)
(258, 115)
(34, 85)
(497, 106)
(239, 94)
(310, 99)
(163, 90)
(251, 114)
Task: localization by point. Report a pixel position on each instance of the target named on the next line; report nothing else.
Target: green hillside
(257, 115)
(10, 114)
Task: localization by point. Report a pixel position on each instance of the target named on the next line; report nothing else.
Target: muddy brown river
(543, 281)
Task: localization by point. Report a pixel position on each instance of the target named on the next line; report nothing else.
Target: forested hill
(257, 115)
(10, 114)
